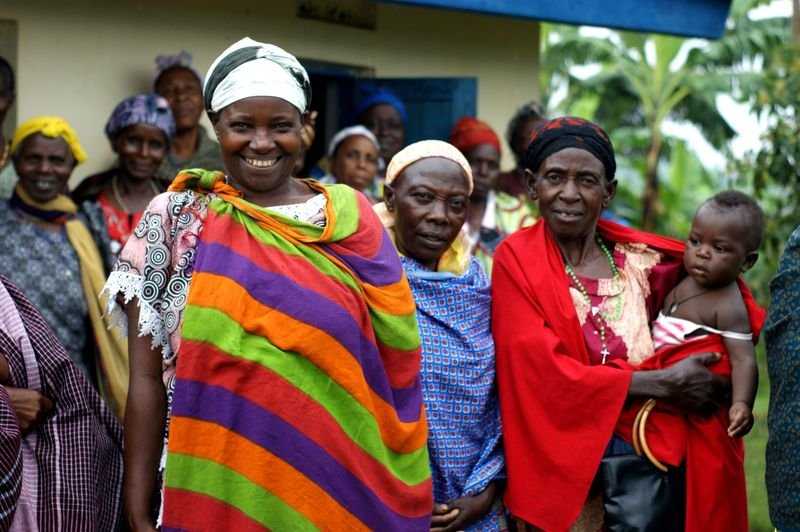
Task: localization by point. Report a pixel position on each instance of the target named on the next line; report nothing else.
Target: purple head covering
(150, 109)
(167, 62)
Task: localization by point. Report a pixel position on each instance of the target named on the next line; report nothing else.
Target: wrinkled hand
(695, 389)
(30, 406)
(741, 419)
(458, 514)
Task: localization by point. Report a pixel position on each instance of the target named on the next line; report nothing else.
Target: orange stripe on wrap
(286, 333)
(262, 468)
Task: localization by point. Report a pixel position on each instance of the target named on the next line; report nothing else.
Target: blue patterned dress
(43, 264)
(782, 335)
(458, 384)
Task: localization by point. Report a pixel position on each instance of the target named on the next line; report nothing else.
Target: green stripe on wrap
(218, 329)
(191, 473)
(396, 330)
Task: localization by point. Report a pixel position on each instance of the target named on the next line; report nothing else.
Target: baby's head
(723, 243)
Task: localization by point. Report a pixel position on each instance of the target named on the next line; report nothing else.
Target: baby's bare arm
(732, 316)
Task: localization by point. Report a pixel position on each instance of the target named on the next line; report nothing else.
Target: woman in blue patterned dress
(782, 333)
(427, 191)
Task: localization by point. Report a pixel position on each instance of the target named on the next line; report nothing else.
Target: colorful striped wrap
(297, 400)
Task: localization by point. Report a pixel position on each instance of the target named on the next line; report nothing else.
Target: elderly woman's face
(183, 91)
(260, 142)
(387, 125)
(571, 190)
(430, 200)
(140, 149)
(484, 160)
(355, 162)
(44, 165)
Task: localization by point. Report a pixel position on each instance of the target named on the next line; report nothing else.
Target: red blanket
(558, 412)
(716, 492)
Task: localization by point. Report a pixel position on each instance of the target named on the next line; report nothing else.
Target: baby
(725, 236)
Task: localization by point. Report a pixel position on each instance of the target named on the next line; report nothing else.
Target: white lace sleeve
(124, 286)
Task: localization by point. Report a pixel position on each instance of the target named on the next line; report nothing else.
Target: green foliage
(755, 452)
(771, 172)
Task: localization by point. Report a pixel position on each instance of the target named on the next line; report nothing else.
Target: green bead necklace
(600, 322)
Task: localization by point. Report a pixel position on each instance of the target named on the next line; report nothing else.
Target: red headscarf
(470, 132)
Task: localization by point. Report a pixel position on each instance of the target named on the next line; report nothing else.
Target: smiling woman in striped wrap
(274, 325)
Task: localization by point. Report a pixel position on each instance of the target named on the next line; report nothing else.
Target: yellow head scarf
(455, 259)
(53, 127)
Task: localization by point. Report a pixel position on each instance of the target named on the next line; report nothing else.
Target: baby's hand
(741, 420)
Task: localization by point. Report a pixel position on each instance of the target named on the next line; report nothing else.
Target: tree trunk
(650, 199)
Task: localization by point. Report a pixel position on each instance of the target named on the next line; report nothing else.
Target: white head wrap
(352, 131)
(271, 72)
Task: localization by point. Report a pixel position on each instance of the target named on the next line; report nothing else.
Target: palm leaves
(640, 81)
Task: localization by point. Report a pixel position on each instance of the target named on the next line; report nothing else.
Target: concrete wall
(78, 58)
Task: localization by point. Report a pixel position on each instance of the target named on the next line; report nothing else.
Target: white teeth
(261, 163)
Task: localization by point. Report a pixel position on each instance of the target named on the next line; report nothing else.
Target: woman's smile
(567, 215)
(261, 163)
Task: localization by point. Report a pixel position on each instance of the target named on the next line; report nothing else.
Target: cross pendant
(605, 354)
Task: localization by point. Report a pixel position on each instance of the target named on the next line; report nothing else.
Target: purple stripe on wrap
(381, 270)
(216, 404)
(282, 293)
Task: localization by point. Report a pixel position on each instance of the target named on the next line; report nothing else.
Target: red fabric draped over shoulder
(558, 412)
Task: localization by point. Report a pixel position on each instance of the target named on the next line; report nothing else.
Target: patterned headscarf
(381, 95)
(53, 127)
(250, 68)
(469, 132)
(570, 132)
(168, 62)
(150, 109)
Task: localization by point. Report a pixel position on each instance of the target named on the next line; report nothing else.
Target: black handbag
(639, 497)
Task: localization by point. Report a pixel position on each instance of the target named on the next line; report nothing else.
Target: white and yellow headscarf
(456, 259)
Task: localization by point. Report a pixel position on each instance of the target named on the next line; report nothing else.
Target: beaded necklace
(600, 321)
(118, 196)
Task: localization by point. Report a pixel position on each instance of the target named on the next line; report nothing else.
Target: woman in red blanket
(585, 291)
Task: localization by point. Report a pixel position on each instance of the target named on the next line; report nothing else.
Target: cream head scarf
(250, 68)
(456, 259)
